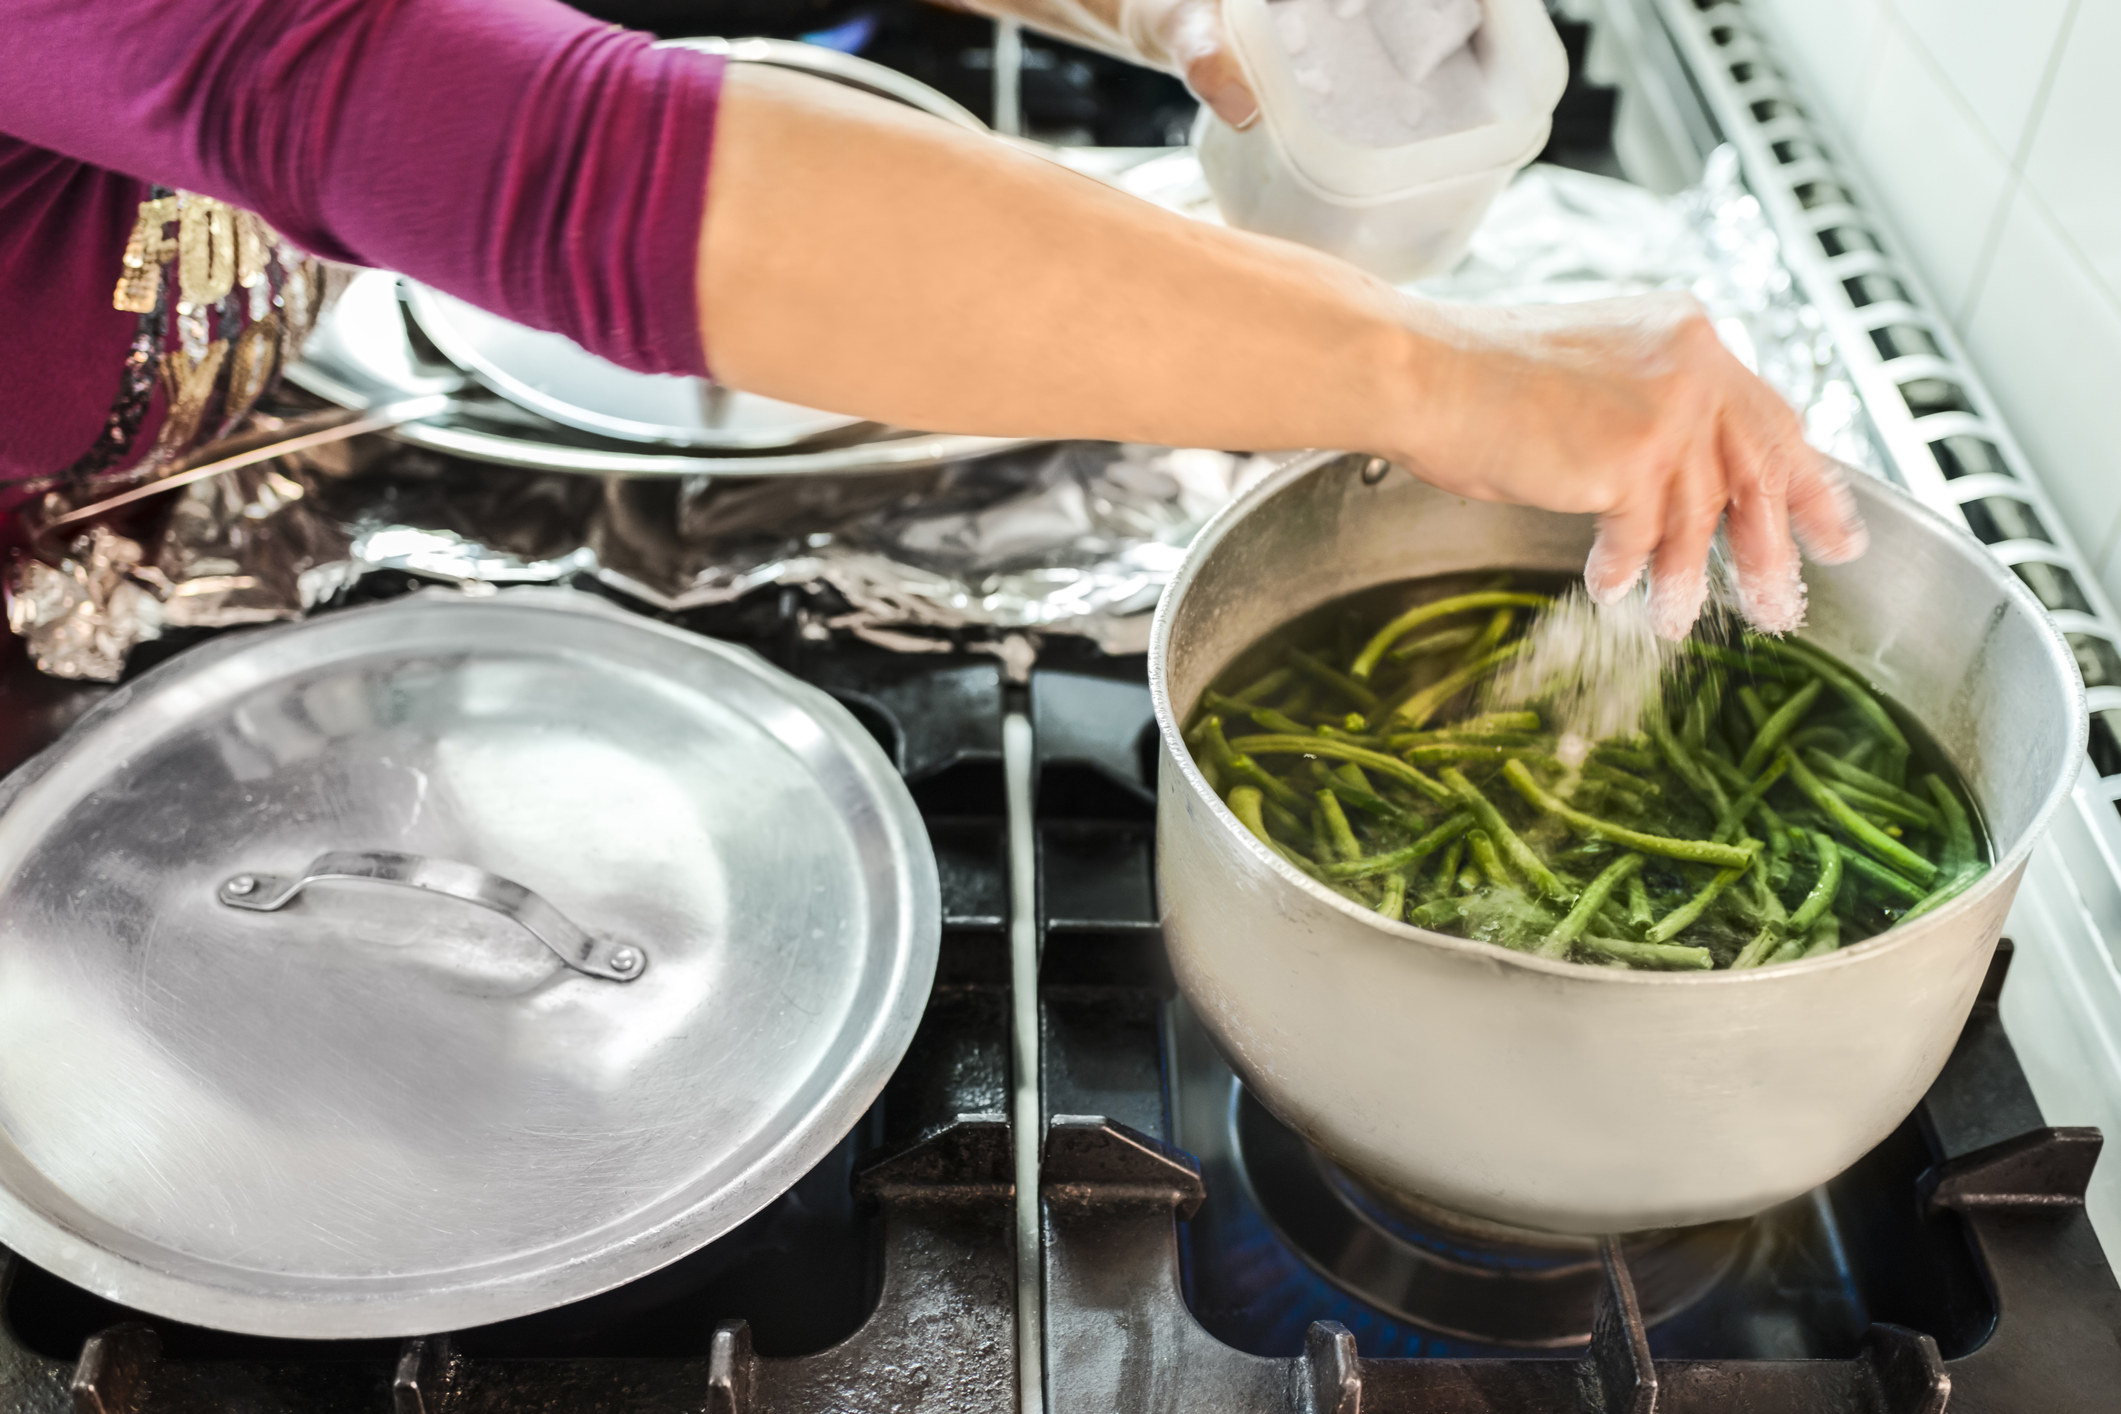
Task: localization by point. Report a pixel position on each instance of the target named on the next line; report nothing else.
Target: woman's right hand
(1632, 410)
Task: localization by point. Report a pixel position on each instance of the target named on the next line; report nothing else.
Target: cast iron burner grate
(884, 1280)
(1195, 1260)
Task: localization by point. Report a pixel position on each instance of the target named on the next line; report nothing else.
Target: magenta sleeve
(515, 153)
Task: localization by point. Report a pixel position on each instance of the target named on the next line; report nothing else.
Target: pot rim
(2002, 873)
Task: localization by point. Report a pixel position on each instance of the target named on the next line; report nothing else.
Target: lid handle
(593, 957)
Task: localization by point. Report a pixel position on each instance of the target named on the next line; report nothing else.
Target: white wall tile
(1828, 47)
(2046, 338)
(2075, 162)
(1939, 175)
(1993, 52)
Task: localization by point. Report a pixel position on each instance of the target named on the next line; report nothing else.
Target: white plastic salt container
(1402, 212)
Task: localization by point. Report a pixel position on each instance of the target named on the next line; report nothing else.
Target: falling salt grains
(1596, 671)
(1601, 671)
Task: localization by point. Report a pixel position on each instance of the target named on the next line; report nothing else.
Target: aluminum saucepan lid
(433, 963)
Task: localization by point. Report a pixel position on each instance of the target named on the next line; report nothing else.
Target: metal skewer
(320, 429)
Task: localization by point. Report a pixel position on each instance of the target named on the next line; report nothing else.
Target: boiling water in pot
(1397, 746)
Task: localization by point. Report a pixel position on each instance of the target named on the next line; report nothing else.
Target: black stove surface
(1200, 1256)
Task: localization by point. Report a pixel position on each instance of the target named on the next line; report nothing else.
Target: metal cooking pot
(1541, 1093)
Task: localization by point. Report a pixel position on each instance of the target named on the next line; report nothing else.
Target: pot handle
(594, 957)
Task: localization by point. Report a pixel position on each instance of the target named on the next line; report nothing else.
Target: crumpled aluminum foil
(1075, 538)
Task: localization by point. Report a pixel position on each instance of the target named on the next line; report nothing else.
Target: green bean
(1333, 680)
(1321, 838)
(1408, 741)
(1417, 709)
(1281, 817)
(1389, 767)
(1366, 661)
(1378, 808)
(1614, 776)
(1359, 867)
(1237, 766)
(1667, 957)
(1497, 629)
(1593, 899)
(1705, 703)
(1959, 854)
(1695, 851)
(1447, 876)
(1756, 710)
(1682, 917)
(1338, 831)
(1725, 770)
(1780, 725)
(1625, 757)
(1498, 830)
(1267, 717)
(1945, 892)
(1877, 841)
(1486, 726)
(1734, 819)
(1765, 903)
(1842, 774)
(1441, 641)
(1690, 770)
(1265, 686)
(1765, 942)
(1437, 913)
(1883, 808)
(1639, 915)
(1828, 741)
(1790, 950)
(1245, 803)
(1468, 879)
(1487, 861)
(1444, 754)
(1757, 665)
(1394, 903)
(1858, 865)
(1850, 691)
(1824, 938)
(1823, 888)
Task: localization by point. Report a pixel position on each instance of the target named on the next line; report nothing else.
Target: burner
(1452, 1273)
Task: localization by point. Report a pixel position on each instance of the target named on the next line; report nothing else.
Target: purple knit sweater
(515, 153)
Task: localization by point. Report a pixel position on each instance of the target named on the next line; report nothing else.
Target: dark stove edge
(2020, 1199)
(941, 1338)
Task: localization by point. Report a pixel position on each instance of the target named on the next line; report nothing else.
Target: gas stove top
(1190, 1252)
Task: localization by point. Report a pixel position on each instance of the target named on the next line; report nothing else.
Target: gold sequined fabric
(239, 301)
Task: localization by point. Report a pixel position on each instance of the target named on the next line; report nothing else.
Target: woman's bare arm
(867, 258)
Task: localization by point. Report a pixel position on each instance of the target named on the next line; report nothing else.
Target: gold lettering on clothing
(187, 387)
(206, 251)
(146, 251)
